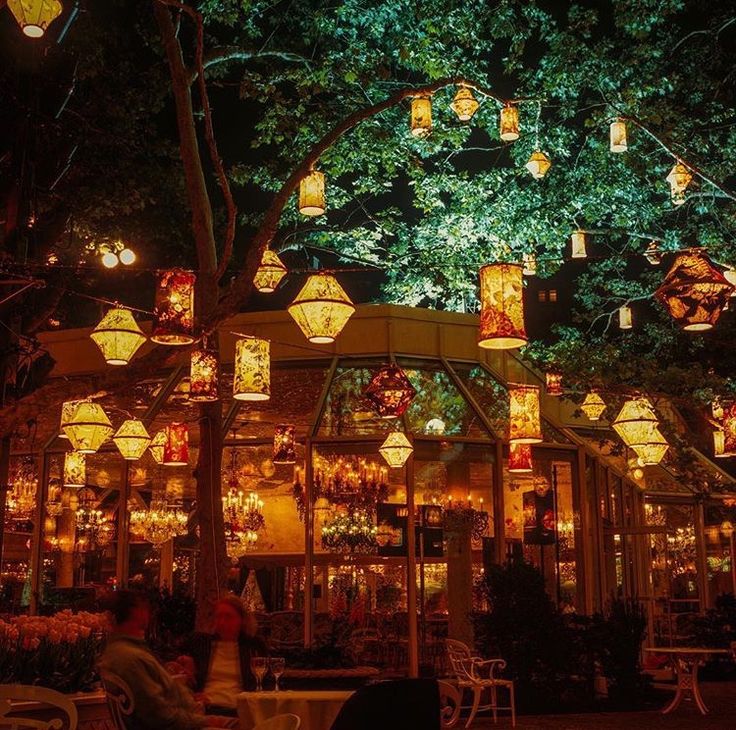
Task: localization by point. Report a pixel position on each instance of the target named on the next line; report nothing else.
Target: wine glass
(277, 665)
(259, 665)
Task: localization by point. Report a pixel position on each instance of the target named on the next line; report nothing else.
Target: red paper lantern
(203, 376)
(554, 383)
(390, 392)
(176, 445)
(173, 314)
(520, 458)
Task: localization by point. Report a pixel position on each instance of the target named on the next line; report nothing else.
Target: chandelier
(239, 543)
(461, 515)
(161, 522)
(22, 487)
(352, 530)
(242, 511)
(94, 529)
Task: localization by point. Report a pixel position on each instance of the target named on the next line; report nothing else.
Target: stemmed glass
(277, 665)
(259, 665)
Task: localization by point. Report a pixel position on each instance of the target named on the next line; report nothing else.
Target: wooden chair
(286, 721)
(468, 671)
(120, 700)
(450, 704)
(55, 703)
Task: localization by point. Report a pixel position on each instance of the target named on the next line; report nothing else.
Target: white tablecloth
(317, 710)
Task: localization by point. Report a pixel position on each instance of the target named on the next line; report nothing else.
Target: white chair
(469, 670)
(120, 700)
(450, 704)
(49, 698)
(286, 721)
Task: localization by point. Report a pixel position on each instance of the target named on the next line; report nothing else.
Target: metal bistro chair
(120, 700)
(450, 701)
(468, 671)
(49, 698)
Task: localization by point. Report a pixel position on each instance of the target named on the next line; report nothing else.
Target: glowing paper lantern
(396, 449)
(553, 383)
(538, 164)
(35, 16)
(694, 291)
(132, 439)
(529, 261)
(390, 392)
(270, 273)
(593, 406)
(653, 451)
(729, 431)
(464, 104)
(636, 422)
(624, 317)
(312, 194)
(157, 446)
(203, 376)
(173, 314)
(283, 445)
(577, 239)
(176, 444)
(509, 123)
(252, 377)
(321, 309)
(88, 428)
(75, 470)
(525, 425)
(679, 178)
(730, 276)
(719, 445)
(618, 136)
(501, 307)
(421, 116)
(67, 411)
(118, 336)
(520, 459)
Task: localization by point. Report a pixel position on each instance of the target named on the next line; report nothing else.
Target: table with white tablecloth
(316, 709)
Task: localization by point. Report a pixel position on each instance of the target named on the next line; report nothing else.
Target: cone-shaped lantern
(729, 431)
(694, 291)
(270, 273)
(203, 376)
(525, 425)
(118, 336)
(312, 194)
(520, 459)
(653, 451)
(284, 451)
(75, 470)
(577, 243)
(509, 123)
(538, 164)
(157, 446)
(67, 411)
(553, 383)
(390, 392)
(321, 309)
(88, 428)
(593, 406)
(173, 314)
(617, 135)
(176, 444)
(252, 377)
(396, 449)
(464, 104)
(421, 116)
(35, 16)
(132, 439)
(636, 422)
(501, 307)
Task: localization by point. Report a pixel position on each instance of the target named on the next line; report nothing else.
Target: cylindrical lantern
(396, 449)
(729, 431)
(529, 261)
(321, 309)
(284, 451)
(679, 178)
(719, 445)
(88, 428)
(653, 451)
(252, 377)
(618, 136)
(464, 104)
(624, 317)
(730, 276)
(173, 314)
(520, 459)
(421, 116)
(636, 422)
(501, 307)
(67, 411)
(390, 392)
(509, 123)
(157, 446)
(593, 406)
(176, 444)
(312, 194)
(577, 240)
(270, 272)
(132, 439)
(35, 16)
(538, 164)
(75, 470)
(553, 383)
(118, 336)
(525, 425)
(203, 376)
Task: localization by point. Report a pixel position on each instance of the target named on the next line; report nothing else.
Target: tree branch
(224, 54)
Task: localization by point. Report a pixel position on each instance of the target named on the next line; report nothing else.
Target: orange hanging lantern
(694, 291)
(553, 383)
(390, 392)
(252, 376)
(35, 16)
(464, 104)
(173, 314)
(520, 459)
(270, 272)
(176, 445)
(421, 116)
(653, 451)
(203, 376)
(501, 307)
(312, 194)
(538, 164)
(321, 309)
(509, 123)
(525, 425)
(284, 451)
(593, 406)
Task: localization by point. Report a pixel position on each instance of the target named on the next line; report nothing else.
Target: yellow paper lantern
(35, 16)
(501, 307)
(653, 451)
(132, 439)
(270, 273)
(617, 134)
(396, 449)
(203, 376)
(593, 406)
(719, 445)
(529, 261)
(729, 275)
(520, 459)
(538, 164)
(729, 431)
(321, 309)
(173, 314)
(421, 116)
(312, 194)
(525, 425)
(464, 104)
(118, 336)
(252, 377)
(75, 470)
(625, 318)
(157, 447)
(176, 444)
(509, 123)
(88, 428)
(636, 422)
(577, 240)
(67, 412)
(679, 178)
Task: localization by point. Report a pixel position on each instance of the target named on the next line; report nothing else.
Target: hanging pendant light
(203, 376)
(617, 133)
(321, 309)
(132, 439)
(396, 449)
(75, 470)
(464, 104)
(35, 16)
(525, 425)
(501, 307)
(719, 445)
(529, 261)
(270, 273)
(679, 179)
(636, 422)
(284, 451)
(538, 164)
(252, 377)
(421, 116)
(729, 431)
(653, 451)
(593, 406)
(118, 336)
(176, 445)
(520, 459)
(390, 392)
(625, 318)
(553, 383)
(577, 240)
(694, 291)
(173, 314)
(88, 428)
(312, 194)
(509, 123)
(67, 412)
(653, 254)
(157, 446)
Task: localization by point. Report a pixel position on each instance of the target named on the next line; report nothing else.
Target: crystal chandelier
(459, 515)
(242, 511)
(22, 487)
(161, 522)
(240, 543)
(351, 530)
(94, 529)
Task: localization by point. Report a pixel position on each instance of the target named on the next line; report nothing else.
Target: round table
(317, 710)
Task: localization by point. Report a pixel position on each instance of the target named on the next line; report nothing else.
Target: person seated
(219, 663)
(160, 702)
